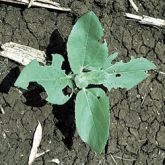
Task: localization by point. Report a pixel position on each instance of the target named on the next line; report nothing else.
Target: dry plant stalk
(22, 54)
(36, 143)
(2, 110)
(147, 20)
(134, 5)
(39, 3)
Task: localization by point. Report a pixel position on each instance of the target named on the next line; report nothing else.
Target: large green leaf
(52, 78)
(123, 75)
(127, 75)
(92, 117)
(84, 46)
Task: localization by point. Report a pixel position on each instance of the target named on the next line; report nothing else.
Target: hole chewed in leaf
(86, 70)
(118, 75)
(67, 91)
(98, 97)
(101, 40)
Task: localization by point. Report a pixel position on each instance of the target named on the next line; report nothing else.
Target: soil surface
(137, 133)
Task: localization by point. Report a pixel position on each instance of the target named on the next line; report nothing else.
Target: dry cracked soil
(137, 132)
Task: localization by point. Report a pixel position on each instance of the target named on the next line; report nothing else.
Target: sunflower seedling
(91, 66)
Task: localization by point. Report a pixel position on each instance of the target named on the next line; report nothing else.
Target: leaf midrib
(54, 79)
(126, 72)
(91, 111)
(86, 43)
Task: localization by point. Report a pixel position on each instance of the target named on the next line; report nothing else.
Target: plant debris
(147, 20)
(39, 3)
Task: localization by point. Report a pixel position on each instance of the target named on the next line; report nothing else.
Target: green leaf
(123, 75)
(92, 117)
(52, 78)
(127, 75)
(84, 46)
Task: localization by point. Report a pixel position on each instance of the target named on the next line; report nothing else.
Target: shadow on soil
(66, 121)
(9, 80)
(56, 45)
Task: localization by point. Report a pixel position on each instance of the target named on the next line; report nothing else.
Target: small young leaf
(84, 46)
(127, 75)
(52, 78)
(92, 117)
(84, 79)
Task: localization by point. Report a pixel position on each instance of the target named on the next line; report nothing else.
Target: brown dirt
(137, 116)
